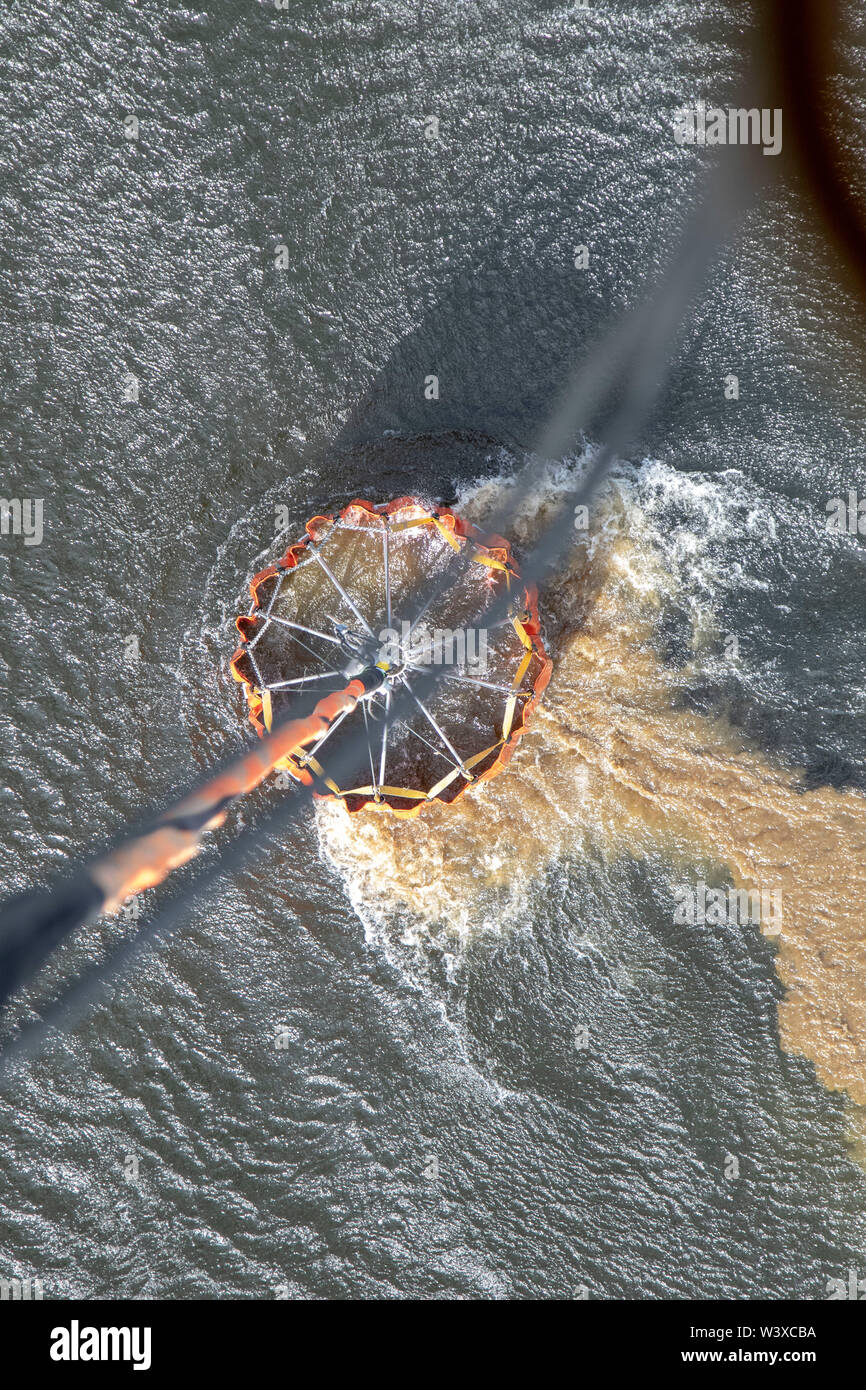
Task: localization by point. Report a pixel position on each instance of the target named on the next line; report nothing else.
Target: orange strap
(146, 860)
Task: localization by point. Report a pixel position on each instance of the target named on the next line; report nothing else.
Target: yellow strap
(428, 521)
(492, 563)
(449, 535)
(477, 757)
(510, 707)
(522, 669)
(440, 786)
(267, 708)
(454, 542)
(469, 763)
(320, 772)
(409, 793)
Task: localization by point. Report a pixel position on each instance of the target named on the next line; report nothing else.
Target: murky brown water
(617, 758)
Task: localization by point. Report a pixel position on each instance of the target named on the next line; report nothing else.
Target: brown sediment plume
(618, 760)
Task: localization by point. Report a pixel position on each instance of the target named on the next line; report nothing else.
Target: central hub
(359, 649)
(353, 643)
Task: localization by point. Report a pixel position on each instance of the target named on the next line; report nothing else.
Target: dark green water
(308, 1169)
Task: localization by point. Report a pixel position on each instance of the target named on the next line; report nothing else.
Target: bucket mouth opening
(377, 585)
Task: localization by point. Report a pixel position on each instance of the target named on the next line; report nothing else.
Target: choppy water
(429, 1130)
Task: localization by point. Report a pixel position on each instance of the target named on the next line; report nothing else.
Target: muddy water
(617, 757)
